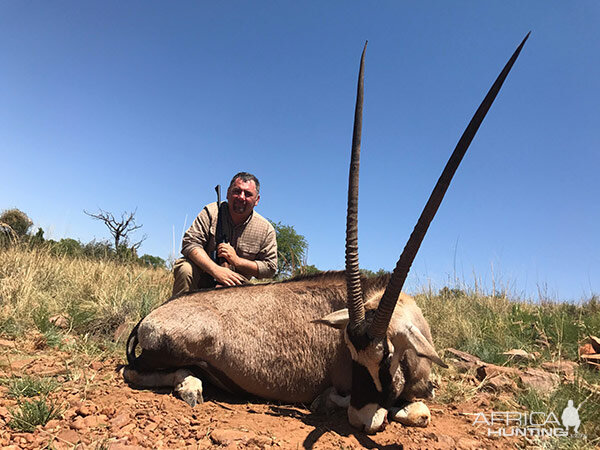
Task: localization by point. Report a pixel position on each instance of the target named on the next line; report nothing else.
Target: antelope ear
(421, 345)
(337, 319)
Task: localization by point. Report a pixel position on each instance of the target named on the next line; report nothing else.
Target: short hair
(245, 176)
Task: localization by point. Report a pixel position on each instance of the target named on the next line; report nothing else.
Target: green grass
(32, 413)
(30, 386)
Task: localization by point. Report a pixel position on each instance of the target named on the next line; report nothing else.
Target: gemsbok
(335, 337)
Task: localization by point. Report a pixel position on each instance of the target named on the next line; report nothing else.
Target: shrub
(17, 220)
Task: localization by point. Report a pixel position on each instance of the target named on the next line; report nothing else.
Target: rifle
(220, 235)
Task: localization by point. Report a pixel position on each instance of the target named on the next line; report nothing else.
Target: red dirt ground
(101, 412)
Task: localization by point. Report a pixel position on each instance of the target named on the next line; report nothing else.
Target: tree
(17, 220)
(154, 261)
(291, 249)
(120, 229)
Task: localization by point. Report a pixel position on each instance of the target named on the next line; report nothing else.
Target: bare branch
(119, 229)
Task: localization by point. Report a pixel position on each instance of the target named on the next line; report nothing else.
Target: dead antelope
(268, 340)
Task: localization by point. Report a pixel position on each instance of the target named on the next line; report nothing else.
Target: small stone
(120, 421)
(501, 383)
(84, 410)
(70, 436)
(586, 349)
(51, 424)
(490, 370)
(539, 380)
(226, 437)
(59, 321)
(468, 444)
(595, 343)
(95, 421)
(78, 424)
(463, 356)
(444, 441)
(519, 355)
(6, 343)
(564, 367)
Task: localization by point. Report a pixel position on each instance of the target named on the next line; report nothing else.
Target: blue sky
(149, 105)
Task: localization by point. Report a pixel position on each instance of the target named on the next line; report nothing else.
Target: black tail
(132, 342)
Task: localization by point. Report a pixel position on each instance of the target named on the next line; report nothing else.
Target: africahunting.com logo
(532, 423)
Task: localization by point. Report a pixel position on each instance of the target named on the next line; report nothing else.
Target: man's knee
(189, 277)
(183, 272)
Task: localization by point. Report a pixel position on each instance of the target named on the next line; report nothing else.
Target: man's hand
(225, 250)
(227, 277)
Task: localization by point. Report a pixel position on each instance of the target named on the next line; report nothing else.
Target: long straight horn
(390, 297)
(356, 309)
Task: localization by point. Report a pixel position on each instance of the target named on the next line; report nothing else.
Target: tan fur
(262, 336)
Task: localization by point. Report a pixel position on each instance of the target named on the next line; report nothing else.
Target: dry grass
(95, 296)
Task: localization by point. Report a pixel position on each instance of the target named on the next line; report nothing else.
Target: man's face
(242, 196)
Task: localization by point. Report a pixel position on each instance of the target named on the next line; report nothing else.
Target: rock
(259, 441)
(501, 383)
(586, 349)
(490, 370)
(120, 421)
(595, 343)
(539, 380)
(4, 412)
(464, 366)
(59, 321)
(445, 442)
(84, 410)
(468, 444)
(563, 367)
(96, 365)
(83, 423)
(51, 424)
(519, 355)
(7, 343)
(70, 436)
(226, 437)
(463, 356)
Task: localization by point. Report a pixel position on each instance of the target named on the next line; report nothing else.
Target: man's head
(243, 195)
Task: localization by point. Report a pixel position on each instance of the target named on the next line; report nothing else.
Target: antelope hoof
(190, 390)
(413, 415)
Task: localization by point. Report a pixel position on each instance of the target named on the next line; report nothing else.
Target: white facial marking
(370, 416)
(371, 357)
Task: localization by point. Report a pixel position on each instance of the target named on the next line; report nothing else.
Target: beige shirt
(254, 239)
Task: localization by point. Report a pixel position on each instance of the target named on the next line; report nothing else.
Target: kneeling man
(251, 250)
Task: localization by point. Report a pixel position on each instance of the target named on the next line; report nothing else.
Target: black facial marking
(364, 390)
(363, 387)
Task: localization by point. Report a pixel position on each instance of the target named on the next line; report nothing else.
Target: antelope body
(265, 340)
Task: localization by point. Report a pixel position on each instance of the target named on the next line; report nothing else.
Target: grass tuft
(33, 413)
(30, 387)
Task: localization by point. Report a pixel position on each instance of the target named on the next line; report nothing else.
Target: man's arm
(194, 240)
(222, 275)
(246, 267)
(265, 264)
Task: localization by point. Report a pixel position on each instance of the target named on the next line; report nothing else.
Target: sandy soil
(101, 412)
